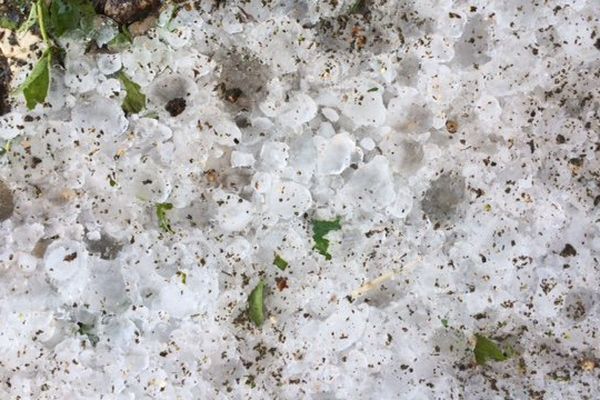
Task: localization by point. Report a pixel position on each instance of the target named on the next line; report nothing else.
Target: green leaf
(135, 100)
(7, 23)
(373, 89)
(30, 21)
(320, 229)
(36, 86)
(5, 149)
(256, 304)
(161, 214)
(69, 15)
(280, 262)
(359, 7)
(486, 350)
(444, 323)
(86, 330)
(121, 41)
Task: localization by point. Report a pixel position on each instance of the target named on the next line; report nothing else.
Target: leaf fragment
(36, 86)
(256, 304)
(280, 262)
(7, 23)
(320, 229)
(161, 214)
(121, 41)
(135, 100)
(87, 330)
(486, 350)
(30, 21)
(70, 15)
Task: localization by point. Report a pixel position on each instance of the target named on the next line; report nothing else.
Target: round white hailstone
(240, 248)
(121, 332)
(233, 212)
(80, 74)
(431, 151)
(288, 199)
(274, 102)
(177, 38)
(26, 236)
(227, 133)
(109, 63)
(108, 87)
(362, 103)
(371, 185)
(230, 22)
(273, 40)
(301, 109)
(148, 182)
(343, 327)
(441, 48)
(367, 143)
(100, 114)
(241, 159)
(385, 65)
(262, 181)
(183, 193)
(26, 262)
(94, 235)
(11, 124)
(326, 130)
(336, 155)
(330, 114)
(64, 259)
(274, 155)
(489, 111)
(106, 30)
(403, 203)
(152, 128)
(452, 27)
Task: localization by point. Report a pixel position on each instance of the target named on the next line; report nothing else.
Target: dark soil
(127, 11)
(4, 84)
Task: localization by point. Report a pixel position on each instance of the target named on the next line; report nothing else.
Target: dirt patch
(127, 11)
(4, 84)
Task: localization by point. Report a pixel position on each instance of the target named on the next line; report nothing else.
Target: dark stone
(176, 106)
(4, 84)
(568, 251)
(7, 204)
(127, 11)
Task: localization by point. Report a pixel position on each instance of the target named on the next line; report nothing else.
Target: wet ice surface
(463, 135)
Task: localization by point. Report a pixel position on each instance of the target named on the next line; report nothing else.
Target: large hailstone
(100, 115)
(335, 155)
(371, 186)
(288, 199)
(362, 103)
(233, 212)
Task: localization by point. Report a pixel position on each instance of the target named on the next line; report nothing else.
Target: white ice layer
(457, 143)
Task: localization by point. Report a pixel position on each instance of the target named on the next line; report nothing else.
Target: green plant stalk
(42, 23)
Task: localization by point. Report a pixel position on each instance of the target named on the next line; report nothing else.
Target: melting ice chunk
(336, 155)
(363, 104)
(371, 186)
(289, 199)
(233, 212)
(64, 260)
(101, 115)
